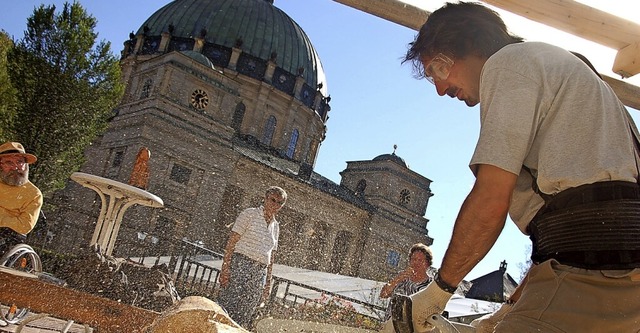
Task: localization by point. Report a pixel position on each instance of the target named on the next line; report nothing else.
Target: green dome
(257, 27)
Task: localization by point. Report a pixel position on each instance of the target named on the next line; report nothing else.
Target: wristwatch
(443, 285)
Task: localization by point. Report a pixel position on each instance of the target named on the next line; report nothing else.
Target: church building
(230, 97)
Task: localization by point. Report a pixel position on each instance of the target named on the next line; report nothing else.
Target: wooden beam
(627, 63)
(576, 18)
(627, 93)
(585, 22)
(391, 10)
(42, 297)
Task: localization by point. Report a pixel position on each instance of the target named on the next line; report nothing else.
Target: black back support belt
(594, 226)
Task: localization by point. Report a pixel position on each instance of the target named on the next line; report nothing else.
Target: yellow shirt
(19, 207)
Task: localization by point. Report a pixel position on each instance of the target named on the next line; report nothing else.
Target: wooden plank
(576, 18)
(104, 314)
(391, 10)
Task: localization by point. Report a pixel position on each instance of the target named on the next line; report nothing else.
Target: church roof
(496, 286)
(256, 26)
(391, 157)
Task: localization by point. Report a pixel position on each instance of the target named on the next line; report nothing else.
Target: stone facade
(218, 137)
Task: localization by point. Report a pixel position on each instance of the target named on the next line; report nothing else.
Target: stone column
(164, 42)
(235, 55)
(199, 44)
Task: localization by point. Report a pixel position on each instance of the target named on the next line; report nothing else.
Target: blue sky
(375, 103)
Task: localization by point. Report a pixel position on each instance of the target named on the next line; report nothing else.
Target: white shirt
(257, 238)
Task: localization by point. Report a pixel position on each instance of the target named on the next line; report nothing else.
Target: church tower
(400, 196)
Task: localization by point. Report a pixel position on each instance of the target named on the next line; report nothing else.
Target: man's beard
(15, 177)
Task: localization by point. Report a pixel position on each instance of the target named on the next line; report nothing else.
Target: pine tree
(68, 86)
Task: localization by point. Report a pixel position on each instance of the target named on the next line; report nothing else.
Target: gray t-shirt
(542, 107)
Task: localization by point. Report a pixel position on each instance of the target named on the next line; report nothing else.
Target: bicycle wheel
(22, 257)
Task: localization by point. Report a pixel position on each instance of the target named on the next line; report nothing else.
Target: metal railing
(185, 261)
(293, 293)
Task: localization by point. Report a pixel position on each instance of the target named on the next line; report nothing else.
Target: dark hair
(424, 249)
(459, 30)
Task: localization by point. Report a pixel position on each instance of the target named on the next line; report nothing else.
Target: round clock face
(199, 99)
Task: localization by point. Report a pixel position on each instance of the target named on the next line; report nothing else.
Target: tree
(524, 267)
(8, 97)
(68, 87)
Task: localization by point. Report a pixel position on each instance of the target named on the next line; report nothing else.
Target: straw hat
(15, 148)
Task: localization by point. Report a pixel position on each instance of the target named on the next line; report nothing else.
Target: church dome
(261, 30)
(391, 157)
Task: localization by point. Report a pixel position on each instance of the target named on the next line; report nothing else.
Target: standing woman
(245, 276)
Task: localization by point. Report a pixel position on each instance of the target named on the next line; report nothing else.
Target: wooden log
(26, 291)
(195, 314)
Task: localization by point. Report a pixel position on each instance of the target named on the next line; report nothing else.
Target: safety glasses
(438, 68)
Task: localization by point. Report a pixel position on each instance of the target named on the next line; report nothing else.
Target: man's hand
(488, 322)
(425, 303)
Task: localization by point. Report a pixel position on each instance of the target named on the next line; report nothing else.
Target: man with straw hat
(20, 200)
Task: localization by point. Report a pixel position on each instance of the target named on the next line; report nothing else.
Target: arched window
(269, 129)
(238, 116)
(360, 187)
(340, 251)
(291, 148)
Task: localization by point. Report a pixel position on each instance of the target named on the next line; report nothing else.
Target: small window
(291, 148)
(180, 174)
(117, 159)
(393, 258)
(251, 65)
(146, 89)
(150, 45)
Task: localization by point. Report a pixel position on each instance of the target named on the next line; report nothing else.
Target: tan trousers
(560, 298)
